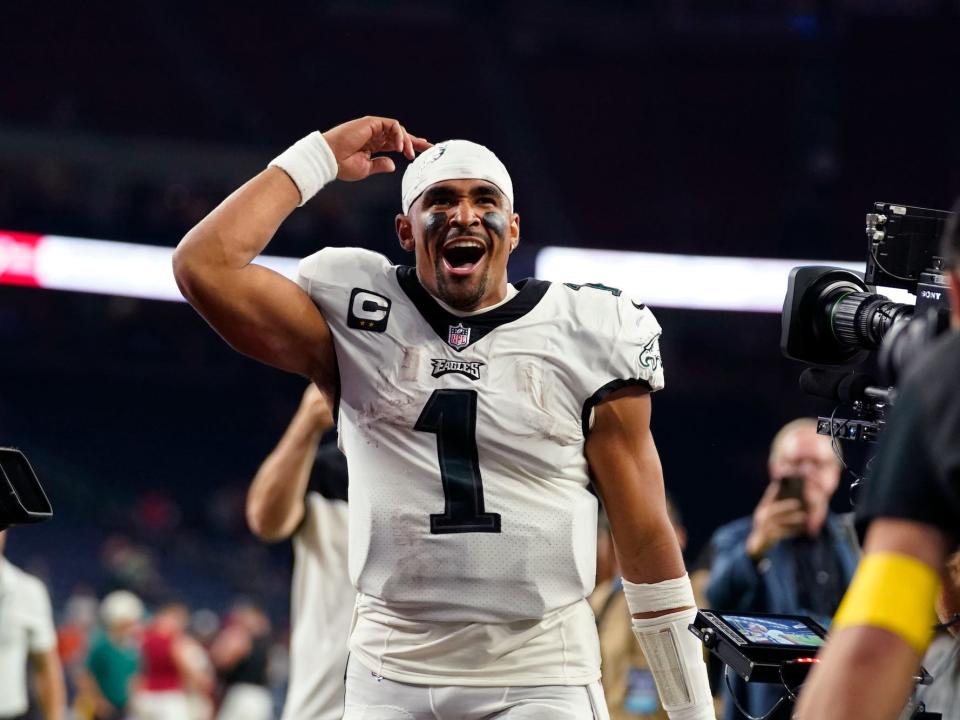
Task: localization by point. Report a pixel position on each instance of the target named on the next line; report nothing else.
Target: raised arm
(259, 312)
(275, 501)
(626, 470)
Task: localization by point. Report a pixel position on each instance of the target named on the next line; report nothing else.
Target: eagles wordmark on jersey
(464, 435)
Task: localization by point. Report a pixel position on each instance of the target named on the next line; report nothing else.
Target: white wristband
(654, 597)
(310, 163)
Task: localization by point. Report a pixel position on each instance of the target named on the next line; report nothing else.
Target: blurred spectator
(27, 633)
(131, 566)
(299, 492)
(628, 684)
(240, 654)
(171, 668)
(942, 660)
(105, 681)
(278, 667)
(204, 625)
(793, 556)
(79, 618)
(201, 683)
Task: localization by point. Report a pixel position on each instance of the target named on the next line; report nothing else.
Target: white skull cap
(453, 160)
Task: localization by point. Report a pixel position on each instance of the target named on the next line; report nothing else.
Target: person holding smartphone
(792, 555)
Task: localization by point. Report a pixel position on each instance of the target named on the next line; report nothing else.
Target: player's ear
(514, 231)
(404, 232)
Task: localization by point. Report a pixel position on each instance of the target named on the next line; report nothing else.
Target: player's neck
(511, 292)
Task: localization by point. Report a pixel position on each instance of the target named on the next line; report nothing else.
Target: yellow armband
(894, 592)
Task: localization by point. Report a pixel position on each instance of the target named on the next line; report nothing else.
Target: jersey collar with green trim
(462, 332)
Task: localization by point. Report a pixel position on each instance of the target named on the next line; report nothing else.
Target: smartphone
(791, 487)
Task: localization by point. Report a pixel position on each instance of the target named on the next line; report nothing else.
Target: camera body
(834, 320)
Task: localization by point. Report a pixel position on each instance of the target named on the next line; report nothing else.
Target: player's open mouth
(462, 255)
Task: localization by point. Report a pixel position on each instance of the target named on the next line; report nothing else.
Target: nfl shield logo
(459, 336)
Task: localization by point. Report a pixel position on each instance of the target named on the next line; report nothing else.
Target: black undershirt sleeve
(328, 477)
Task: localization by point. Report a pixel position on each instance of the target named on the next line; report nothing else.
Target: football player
(473, 413)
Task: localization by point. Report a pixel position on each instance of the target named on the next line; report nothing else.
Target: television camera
(856, 343)
(834, 320)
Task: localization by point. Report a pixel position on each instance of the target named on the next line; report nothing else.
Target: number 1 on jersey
(451, 415)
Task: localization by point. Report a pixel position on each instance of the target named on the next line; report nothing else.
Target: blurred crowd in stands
(153, 635)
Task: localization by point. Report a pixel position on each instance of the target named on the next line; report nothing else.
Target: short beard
(458, 301)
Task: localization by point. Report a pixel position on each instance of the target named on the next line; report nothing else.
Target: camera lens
(861, 319)
(831, 317)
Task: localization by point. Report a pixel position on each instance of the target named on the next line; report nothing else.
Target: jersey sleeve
(624, 346)
(635, 354)
(618, 347)
(331, 276)
(42, 633)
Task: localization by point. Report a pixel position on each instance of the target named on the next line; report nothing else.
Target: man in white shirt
(27, 633)
(299, 492)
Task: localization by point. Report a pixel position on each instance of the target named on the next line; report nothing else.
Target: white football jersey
(464, 436)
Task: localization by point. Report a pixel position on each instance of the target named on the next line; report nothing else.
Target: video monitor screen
(774, 631)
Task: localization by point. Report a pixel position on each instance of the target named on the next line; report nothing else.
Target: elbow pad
(673, 653)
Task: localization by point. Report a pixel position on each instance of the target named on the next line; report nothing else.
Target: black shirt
(329, 474)
(819, 576)
(917, 470)
(252, 669)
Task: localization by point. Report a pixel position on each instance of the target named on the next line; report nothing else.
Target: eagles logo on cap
(437, 153)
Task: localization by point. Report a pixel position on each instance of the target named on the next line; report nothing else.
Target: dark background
(731, 128)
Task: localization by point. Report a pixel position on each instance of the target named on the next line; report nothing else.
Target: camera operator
(792, 556)
(911, 506)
